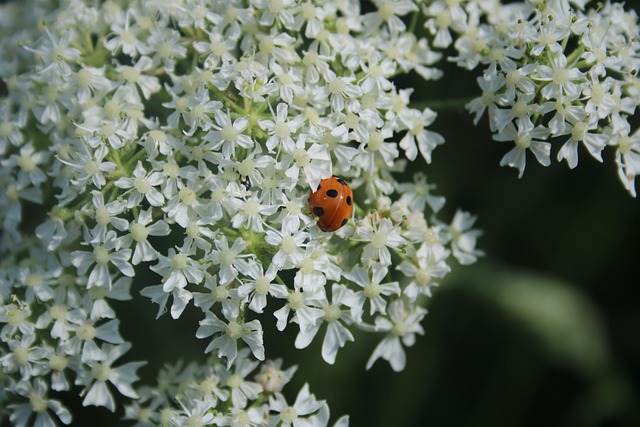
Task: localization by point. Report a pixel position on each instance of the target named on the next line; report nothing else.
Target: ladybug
(331, 203)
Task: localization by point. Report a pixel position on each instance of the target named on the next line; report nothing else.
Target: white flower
(29, 163)
(417, 195)
(139, 231)
(54, 53)
(463, 238)
(228, 134)
(217, 294)
(292, 416)
(194, 410)
(23, 356)
(228, 258)
(10, 126)
(372, 289)
(260, 285)
(305, 314)
(101, 373)
(340, 89)
(444, 18)
(335, 317)
(401, 327)
(183, 204)
(125, 37)
(142, 185)
(86, 331)
(423, 265)
(316, 267)
(388, 12)
(38, 404)
(251, 215)
(103, 254)
(379, 237)
(38, 281)
(177, 269)
(314, 162)
(377, 71)
(563, 78)
(593, 142)
(134, 77)
(280, 129)
(290, 242)
(242, 391)
(376, 147)
(165, 47)
(219, 49)
(526, 138)
(227, 335)
(88, 165)
(106, 216)
(490, 85)
(628, 158)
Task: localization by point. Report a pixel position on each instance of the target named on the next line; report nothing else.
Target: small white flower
(593, 142)
(281, 129)
(125, 37)
(425, 264)
(38, 404)
(290, 242)
(372, 289)
(178, 269)
(139, 231)
(563, 78)
(104, 253)
(227, 335)
(227, 134)
(142, 186)
(380, 237)
(96, 392)
(55, 53)
(228, 258)
(292, 416)
(401, 327)
(526, 137)
(260, 285)
(464, 237)
(335, 317)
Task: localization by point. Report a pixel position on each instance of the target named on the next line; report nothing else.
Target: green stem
(414, 21)
(574, 56)
(134, 159)
(279, 280)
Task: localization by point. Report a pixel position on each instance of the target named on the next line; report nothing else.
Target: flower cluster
(185, 137)
(553, 74)
(196, 395)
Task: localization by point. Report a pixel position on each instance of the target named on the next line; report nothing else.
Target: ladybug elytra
(331, 203)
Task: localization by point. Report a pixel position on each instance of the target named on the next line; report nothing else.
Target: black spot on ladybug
(319, 187)
(246, 182)
(344, 221)
(349, 200)
(318, 211)
(341, 181)
(332, 193)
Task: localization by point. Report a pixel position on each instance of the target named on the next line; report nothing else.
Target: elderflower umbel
(556, 74)
(184, 138)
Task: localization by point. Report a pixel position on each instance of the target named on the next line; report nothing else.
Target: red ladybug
(331, 203)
